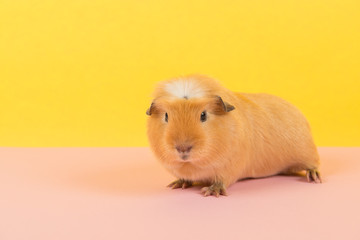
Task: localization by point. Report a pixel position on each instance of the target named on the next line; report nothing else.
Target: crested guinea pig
(202, 132)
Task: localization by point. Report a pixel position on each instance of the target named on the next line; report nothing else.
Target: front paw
(180, 183)
(215, 189)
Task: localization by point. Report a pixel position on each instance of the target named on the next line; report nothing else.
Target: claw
(206, 191)
(223, 192)
(186, 184)
(174, 185)
(308, 176)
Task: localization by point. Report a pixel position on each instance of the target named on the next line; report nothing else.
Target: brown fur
(264, 135)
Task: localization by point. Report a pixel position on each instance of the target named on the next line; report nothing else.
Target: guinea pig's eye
(166, 117)
(203, 116)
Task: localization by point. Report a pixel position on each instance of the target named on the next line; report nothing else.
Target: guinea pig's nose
(183, 148)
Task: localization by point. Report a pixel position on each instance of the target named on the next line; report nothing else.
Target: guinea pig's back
(278, 110)
(280, 135)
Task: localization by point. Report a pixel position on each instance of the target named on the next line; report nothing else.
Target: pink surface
(120, 193)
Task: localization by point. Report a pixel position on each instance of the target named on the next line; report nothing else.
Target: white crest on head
(184, 88)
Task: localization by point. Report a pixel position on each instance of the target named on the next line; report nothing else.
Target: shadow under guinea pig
(149, 177)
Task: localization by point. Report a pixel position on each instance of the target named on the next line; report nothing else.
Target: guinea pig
(204, 133)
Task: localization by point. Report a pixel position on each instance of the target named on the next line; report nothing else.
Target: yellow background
(80, 72)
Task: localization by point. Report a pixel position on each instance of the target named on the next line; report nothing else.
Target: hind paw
(313, 175)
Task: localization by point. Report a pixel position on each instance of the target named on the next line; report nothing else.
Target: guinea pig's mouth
(184, 156)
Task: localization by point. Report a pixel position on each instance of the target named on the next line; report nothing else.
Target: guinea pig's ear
(151, 109)
(221, 107)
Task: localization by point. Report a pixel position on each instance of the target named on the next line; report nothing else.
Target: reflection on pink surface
(120, 193)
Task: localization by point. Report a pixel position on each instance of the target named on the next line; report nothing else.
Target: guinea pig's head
(188, 130)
